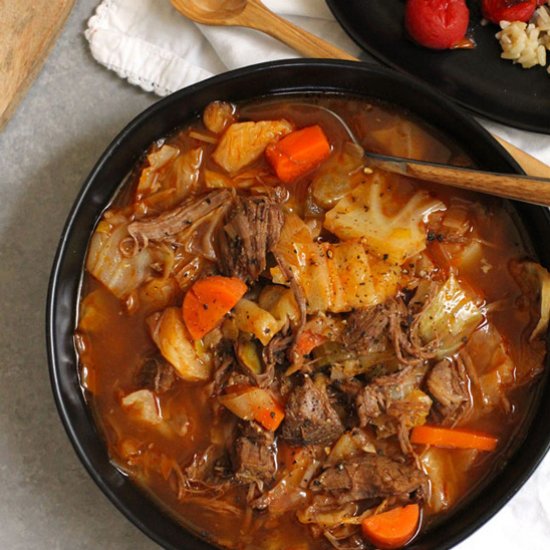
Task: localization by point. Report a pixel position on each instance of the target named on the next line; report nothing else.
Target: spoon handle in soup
(510, 186)
(255, 15)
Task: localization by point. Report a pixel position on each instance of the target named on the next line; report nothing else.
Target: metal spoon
(529, 189)
(254, 15)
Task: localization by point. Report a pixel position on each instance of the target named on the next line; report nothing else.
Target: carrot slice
(208, 300)
(392, 529)
(298, 152)
(453, 438)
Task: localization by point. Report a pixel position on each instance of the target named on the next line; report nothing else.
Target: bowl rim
(63, 252)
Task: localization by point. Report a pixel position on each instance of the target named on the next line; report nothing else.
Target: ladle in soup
(254, 15)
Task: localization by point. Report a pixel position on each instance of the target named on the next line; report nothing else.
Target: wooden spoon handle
(531, 165)
(522, 188)
(257, 16)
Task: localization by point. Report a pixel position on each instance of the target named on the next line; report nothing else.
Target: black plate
(477, 79)
(265, 80)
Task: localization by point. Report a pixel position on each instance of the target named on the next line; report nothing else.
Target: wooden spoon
(253, 14)
(509, 186)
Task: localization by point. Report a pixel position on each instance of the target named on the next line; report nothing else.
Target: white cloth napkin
(148, 43)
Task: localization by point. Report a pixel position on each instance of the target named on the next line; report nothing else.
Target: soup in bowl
(277, 343)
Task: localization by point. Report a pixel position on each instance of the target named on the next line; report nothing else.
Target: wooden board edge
(36, 67)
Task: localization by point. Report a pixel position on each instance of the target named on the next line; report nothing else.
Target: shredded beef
(167, 225)
(371, 476)
(156, 375)
(253, 456)
(252, 229)
(408, 347)
(391, 324)
(310, 419)
(367, 328)
(347, 390)
(447, 382)
(275, 352)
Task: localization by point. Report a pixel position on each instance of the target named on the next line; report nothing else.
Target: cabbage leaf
(119, 272)
(449, 318)
(534, 280)
(251, 318)
(174, 342)
(338, 175)
(361, 215)
(334, 277)
(142, 405)
(244, 142)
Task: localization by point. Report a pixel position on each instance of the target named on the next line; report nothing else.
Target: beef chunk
(370, 404)
(384, 393)
(253, 456)
(447, 382)
(394, 404)
(310, 419)
(252, 230)
(156, 375)
(371, 476)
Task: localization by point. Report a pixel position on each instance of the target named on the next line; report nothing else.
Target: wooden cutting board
(28, 29)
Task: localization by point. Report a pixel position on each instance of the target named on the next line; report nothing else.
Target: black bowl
(283, 77)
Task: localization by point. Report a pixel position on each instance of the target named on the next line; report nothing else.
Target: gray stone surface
(70, 115)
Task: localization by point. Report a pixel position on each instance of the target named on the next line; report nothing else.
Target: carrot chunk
(298, 152)
(453, 438)
(392, 529)
(270, 418)
(208, 300)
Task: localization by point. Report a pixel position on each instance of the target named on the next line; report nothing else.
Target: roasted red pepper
(508, 10)
(437, 24)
